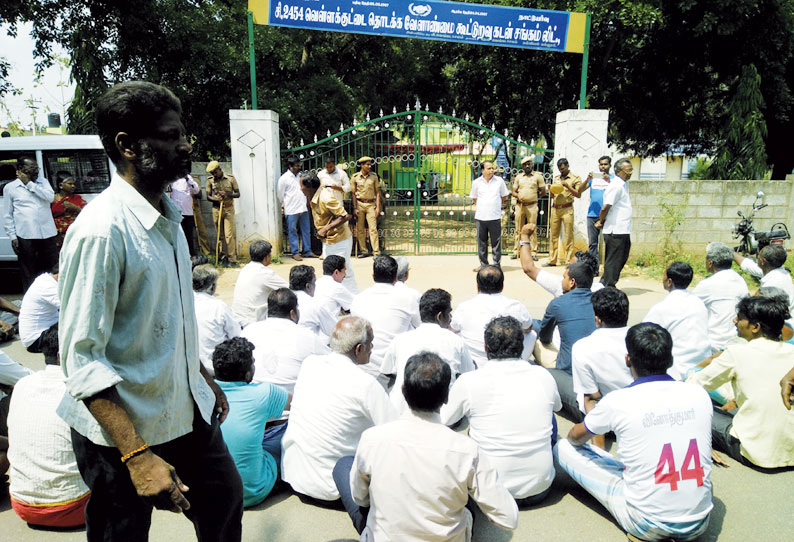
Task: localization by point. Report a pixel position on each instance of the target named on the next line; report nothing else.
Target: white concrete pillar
(581, 137)
(256, 163)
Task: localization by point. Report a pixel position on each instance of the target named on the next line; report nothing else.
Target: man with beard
(147, 433)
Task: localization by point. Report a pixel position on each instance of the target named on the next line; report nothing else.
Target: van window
(89, 168)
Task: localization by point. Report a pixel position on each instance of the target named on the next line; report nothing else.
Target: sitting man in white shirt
(334, 402)
(403, 270)
(661, 487)
(216, 322)
(685, 316)
(46, 487)
(432, 335)
(314, 314)
(510, 405)
(254, 284)
(770, 271)
(280, 344)
(330, 290)
(40, 310)
(598, 361)
(720, 293)
(418, 475)
(471, 316)
(387, 309)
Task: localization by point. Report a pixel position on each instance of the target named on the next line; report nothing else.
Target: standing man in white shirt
(388, 311)
(40, 309)
(685, 316)
(28, 220)
(615, 221)
(293, 202)
(216, 321)
(488, 194)
(254, 283)
(334, 402)
(510, 406)
(335, 177)
(330, 289)
(720, 293)
(418, 475)
(183, 192)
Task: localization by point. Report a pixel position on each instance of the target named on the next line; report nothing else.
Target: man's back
(334, 295)
(598, 363)
(216, 323)
(316, 315)
(573, 313)
(254, 284)
(720, 293)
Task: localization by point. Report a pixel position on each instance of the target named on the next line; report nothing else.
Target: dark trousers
(36, 256)
(592, 237)
(492, 229)
(616, 254)
(202, 462)
(342, 480)
(721, 438)
(189, 226)
(570, 406)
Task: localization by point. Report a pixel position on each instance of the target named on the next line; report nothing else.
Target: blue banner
(431, 19)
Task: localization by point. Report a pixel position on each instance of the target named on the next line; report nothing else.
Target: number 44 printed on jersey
(666, 472)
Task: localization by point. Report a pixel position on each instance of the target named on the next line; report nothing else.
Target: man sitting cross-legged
(411, 479)
(771, 271)
(215, 319)
(510, 405)
(254, 283)
(330, 291)
(661, 488)
(335, 402)
(256, 451)
(433, 335)
(280, 344)
(315, 315)
(46, 486)
(760, 432)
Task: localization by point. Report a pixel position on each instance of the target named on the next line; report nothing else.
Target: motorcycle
(752, 241)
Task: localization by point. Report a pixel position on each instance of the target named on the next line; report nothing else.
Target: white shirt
(667, 424)
(315, 316)
(686, 318)
(335, 295)
(280, 346)
(471, 317)
(254, 284)
(779, 277)
(390, 313)
(43, 465)
(336, 178)
(334, 403)
(552, 283)
(417, 476)
(720, 293)
(428, 337)
(290, 194)
(489, 196)
(510, 404)
(10, 371)
(26, 209)
(618, 220)
(216, 323)
(40, 308)
(416, 295)
(598, 363)
(182, 192)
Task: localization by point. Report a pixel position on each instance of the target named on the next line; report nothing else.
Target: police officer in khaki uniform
(223, 188)
(528, 186)
(366, 205)
(564, 189)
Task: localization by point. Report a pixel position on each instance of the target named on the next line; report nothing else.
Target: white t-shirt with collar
(598, 363)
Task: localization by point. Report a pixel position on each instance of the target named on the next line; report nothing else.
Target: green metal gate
(427, 162)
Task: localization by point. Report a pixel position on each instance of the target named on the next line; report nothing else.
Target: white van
(59, 157)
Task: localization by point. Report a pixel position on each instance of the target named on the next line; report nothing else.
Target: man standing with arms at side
(222, 190)
(28, 220)
(488, 194)
(597, 184)
(183, 192)
(294, 204)
(615, 221)
(564, 189)
(366, 206)
(528, 186)
(145, 415)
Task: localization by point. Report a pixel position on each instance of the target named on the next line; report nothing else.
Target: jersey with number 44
(663, 430)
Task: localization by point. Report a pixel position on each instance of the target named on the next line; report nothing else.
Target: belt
(362, 200)
(528, 202)
(563, 206)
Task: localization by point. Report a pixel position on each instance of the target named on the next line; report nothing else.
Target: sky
(48, 95)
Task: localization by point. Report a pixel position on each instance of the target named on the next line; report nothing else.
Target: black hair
(426, 383)
(332, 263)
(292, 160)
(300, 277)
(384, 269)
(775, 255)
(768, 312)
(582, 273)
(49, 345)
(133, 107)
(680, 273)
(259, 250)
(650, 349)
(562, 161)
(611, 306)
(310, 180)
(232, 359)
(198, 259)
(281, 302)
(504, 338)
(490, 279)
(589, 259)
(432, 302)
(607, 158)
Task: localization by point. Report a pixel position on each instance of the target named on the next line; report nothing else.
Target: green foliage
(672, 218)
(701, 170)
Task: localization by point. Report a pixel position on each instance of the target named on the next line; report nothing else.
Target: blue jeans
(293, 222)
(358, 514)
